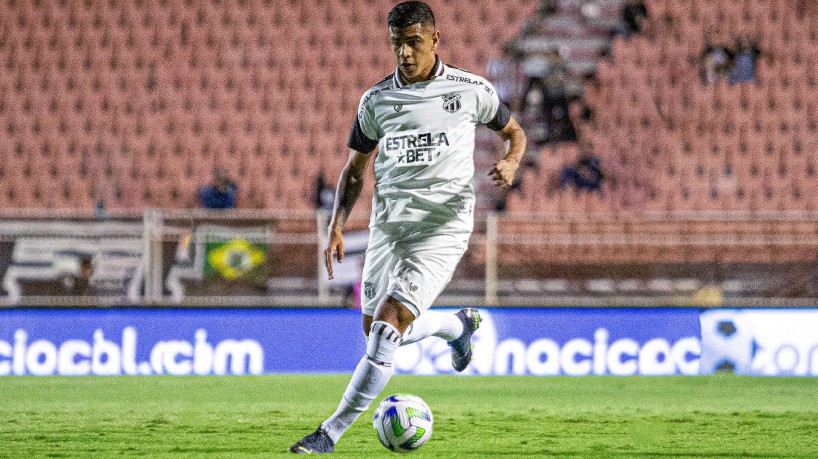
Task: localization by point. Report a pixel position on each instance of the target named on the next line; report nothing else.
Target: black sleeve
(358, 141)
(500, 119)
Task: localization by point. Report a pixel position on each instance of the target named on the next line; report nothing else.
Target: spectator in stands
(220, 193)
(547, 77)
(504, 72)
(555, 106)
(534, 25)
(585, 175)
(548, 8)
(716, 63)
(744, 61)
(555, 102)
(324, 193)
(535, 68)
(99, 209)
(634, 14)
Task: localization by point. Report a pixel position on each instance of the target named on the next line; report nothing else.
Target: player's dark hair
(412, 12)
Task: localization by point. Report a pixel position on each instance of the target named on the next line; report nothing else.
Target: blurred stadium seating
(669, 143)
(134, 103)
(684, 159)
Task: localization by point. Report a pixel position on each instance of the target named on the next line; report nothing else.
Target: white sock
(433, 323)
(368, 380)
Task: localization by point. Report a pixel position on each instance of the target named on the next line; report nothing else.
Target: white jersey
(424, 169)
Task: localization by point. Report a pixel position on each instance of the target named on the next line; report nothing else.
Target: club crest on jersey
(451, 102)
(369, 290)
(397, 107)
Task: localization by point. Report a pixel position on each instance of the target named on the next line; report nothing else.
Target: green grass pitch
(720, 416)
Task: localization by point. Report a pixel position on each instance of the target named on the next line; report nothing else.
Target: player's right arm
(349, 189)
(363, 139)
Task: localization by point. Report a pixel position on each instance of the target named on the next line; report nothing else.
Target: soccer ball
(403, 422)
(728, 344)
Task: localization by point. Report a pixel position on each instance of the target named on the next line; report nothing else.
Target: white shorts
(411, 262)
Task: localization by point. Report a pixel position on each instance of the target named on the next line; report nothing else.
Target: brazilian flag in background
(235, 259)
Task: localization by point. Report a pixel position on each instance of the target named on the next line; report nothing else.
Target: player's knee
(394, 312)
(384, 340)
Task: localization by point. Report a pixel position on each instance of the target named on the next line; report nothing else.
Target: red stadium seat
(240, 86)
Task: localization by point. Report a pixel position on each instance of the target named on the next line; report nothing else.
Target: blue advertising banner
(531, 341)
(179, 342)
(577, 341)
(760, 342)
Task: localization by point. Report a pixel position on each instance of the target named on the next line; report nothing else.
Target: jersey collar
(398, 80)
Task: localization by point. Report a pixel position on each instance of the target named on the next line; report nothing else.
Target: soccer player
(422, 119)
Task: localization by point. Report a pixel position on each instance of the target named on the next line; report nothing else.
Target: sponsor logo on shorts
(413, 287)
(369, 290)
(397, 107)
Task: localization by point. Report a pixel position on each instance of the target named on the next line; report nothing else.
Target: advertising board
(178, 342)
(257, 341)
(769, 342)
(576, 341)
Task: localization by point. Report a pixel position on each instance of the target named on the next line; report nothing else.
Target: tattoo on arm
(349, 189)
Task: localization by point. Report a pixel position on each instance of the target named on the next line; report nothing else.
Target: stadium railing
(240, 258)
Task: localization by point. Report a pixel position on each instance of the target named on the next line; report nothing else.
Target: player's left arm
(497, 117)
(514, 140)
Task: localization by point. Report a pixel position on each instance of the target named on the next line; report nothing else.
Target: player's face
(414, 48)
